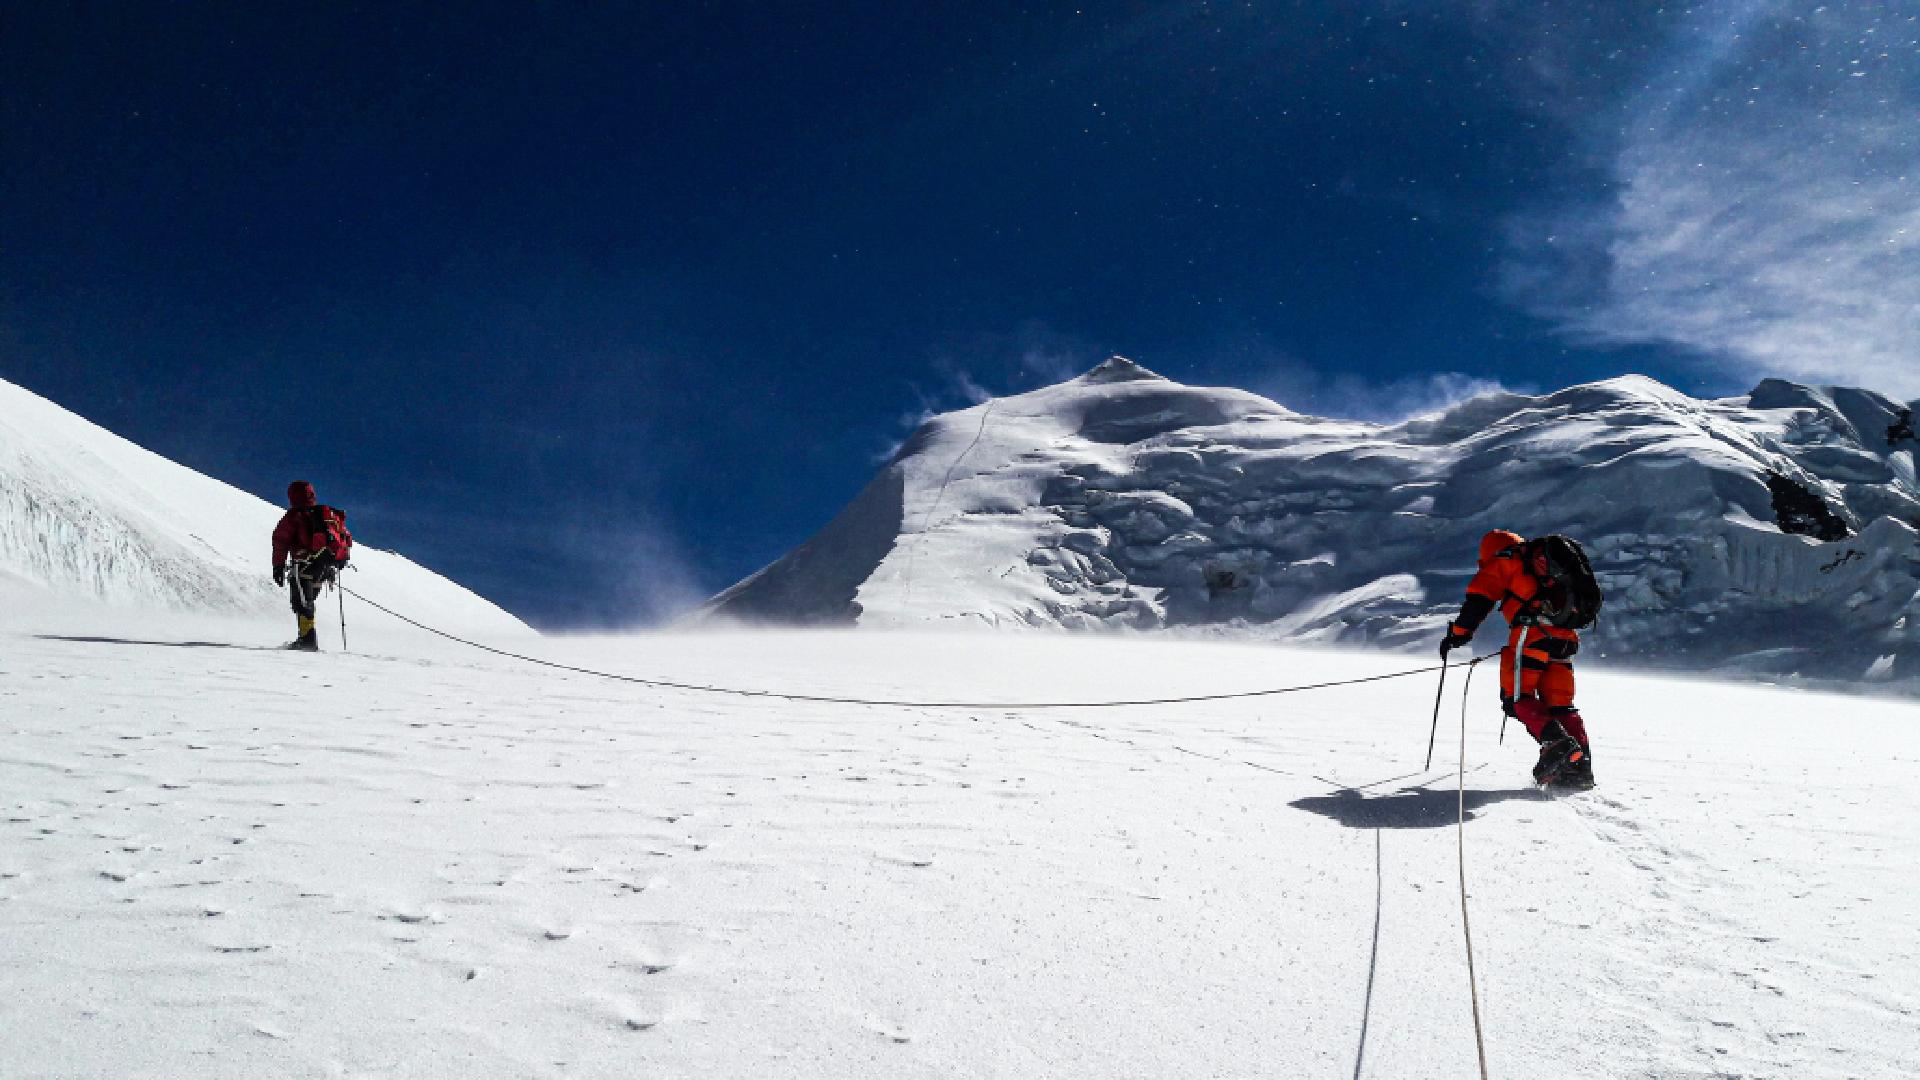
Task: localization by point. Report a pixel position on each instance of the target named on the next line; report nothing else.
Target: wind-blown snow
(1123, 499)
(223, 862)
(87, 517)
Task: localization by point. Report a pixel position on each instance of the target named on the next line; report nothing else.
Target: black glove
(1455, 638)
(279, 575)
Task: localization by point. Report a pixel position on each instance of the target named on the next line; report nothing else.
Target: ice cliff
(1770, 533)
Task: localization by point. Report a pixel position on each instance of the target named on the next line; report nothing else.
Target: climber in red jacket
(314, 539)
(1545, 592)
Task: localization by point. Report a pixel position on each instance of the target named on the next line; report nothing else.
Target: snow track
(223, 862)
(1741, 923)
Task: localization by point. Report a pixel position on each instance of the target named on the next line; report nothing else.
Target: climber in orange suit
(1521, 582)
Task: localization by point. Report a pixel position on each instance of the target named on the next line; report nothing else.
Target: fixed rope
(826, 699)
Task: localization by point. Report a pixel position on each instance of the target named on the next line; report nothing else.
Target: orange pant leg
(1541, 674)
(1556, 685)
(1533, 662)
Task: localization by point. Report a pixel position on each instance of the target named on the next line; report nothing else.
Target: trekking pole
(1440, 690)
(341, 595)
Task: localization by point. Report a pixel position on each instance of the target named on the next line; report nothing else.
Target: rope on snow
(1479, 1037)
(892, 702)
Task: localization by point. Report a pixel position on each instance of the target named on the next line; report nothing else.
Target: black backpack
(1569, 597)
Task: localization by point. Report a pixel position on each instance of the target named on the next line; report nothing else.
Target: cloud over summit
(1760, 203)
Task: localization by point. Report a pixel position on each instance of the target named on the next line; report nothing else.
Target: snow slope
(223, 862)
(1123, 499)
(88, 518)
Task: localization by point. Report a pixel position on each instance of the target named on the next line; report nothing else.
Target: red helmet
(300, 495)
(1497, 541)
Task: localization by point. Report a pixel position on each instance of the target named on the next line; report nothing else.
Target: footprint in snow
(893, 1033)
(633, 1016)
(647, 967)
(666, 948)
(414, 918)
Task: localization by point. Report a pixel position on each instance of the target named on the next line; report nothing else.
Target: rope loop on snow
(896, 703)
(1466, 928)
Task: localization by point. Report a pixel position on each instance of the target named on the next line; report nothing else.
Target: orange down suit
(1545, 688)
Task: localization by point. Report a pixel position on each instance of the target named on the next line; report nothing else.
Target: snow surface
(420, 860)
(218, 861)
(1121, 499)
(88, 519)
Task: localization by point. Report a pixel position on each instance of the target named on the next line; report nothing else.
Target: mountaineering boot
(309, 639)
(1557, 756)
(1577, 775)
(1557, 751)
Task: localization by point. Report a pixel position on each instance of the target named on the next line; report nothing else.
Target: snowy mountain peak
(1772, 534)
(1116, 369)
(87, 516)
(1621, 388)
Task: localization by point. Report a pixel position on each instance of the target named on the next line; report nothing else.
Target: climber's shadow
(1408, 808)
(97, 640)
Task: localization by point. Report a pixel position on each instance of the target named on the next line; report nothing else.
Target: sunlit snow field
(423, 861)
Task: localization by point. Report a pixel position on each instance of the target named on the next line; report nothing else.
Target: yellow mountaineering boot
(309, 640)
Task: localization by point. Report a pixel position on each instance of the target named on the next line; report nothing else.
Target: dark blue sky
(598, 307)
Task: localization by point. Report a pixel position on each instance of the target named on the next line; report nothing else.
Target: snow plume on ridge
(1356, 397)
(1762, 207)
(985, 366)
(1392, 400)
(650, 579)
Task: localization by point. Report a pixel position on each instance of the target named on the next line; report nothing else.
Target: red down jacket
(302, 531)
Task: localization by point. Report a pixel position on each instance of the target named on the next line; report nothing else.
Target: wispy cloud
(1764, 209)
